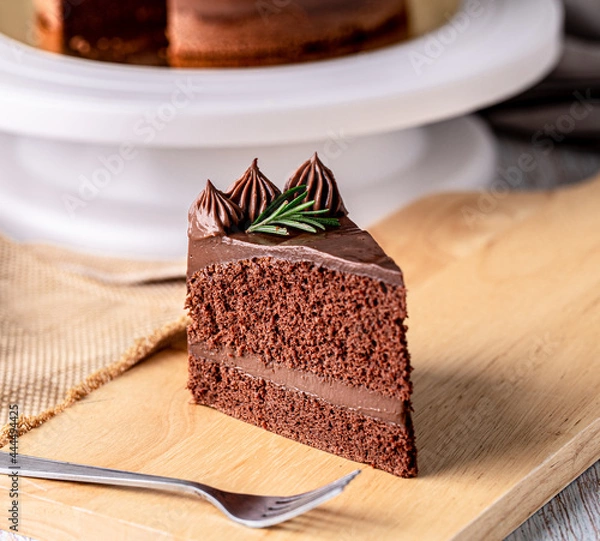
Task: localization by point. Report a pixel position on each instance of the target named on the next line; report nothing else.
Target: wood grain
(504, 319)
(574, 513)
(572, 516)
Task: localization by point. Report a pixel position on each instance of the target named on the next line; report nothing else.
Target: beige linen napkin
(70, 323)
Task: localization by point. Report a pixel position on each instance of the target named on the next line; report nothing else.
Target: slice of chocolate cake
(297, 319)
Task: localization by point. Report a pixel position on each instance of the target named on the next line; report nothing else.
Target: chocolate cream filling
(358, 399)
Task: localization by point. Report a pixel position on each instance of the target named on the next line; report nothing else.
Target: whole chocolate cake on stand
(298, 319)
(112, 151)
(223, 33)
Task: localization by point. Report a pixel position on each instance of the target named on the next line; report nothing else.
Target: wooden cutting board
(504, 303)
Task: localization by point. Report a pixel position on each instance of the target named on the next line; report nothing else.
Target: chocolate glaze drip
(321, 186)
(253, 192)
(213, 214)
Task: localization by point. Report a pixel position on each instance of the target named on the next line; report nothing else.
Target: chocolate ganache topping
(213, 213)
(320, 185)
(253, 192)
(218, 234)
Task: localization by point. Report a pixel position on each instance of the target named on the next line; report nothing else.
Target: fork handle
(43, 468)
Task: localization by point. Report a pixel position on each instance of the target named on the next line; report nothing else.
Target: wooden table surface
(574, 514)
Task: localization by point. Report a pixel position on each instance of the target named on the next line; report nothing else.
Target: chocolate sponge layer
(304, 418)
(254, 33)
(305, 317)
(112, 30)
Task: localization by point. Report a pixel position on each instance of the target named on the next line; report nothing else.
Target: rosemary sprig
(288, 211)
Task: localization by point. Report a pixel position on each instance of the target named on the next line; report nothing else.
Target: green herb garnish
(288, 210)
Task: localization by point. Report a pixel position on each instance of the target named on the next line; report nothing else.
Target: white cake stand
(108, 158)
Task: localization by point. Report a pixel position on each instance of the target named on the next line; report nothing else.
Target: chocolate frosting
(214, 237)
(253, 192)
(320, 184)
(213, 214)
(346, 249)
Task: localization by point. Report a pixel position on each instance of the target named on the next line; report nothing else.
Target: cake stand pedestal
(107, 158)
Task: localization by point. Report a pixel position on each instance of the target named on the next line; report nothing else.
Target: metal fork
(247, 509)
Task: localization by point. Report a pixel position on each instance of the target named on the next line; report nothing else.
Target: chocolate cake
(249, 32)
(112, 30)
(218, 32)
(297, 319)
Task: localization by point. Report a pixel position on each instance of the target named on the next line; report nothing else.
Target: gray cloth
(565, 105)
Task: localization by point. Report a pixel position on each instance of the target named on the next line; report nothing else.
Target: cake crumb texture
(304, 418)
(308, 318)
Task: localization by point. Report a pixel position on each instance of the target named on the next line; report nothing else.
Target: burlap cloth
(70, 323)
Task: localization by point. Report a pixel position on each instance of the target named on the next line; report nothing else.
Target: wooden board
(504, 304)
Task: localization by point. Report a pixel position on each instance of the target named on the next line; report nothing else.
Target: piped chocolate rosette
(321, 186)
(253, 192)
(213, 213)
